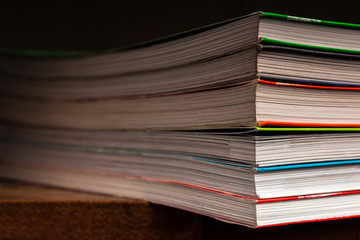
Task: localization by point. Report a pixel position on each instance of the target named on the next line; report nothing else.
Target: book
(224, 206)
(235, 73)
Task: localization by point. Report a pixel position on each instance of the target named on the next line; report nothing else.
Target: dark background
(92, 26)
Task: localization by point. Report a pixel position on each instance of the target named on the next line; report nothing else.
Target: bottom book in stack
(244, 176)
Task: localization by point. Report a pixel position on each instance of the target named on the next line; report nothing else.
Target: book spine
(269, 41)
(310, 196)
(280, 48)
(308, 82)
(299, 85)
(308, 165)
(310, 124)
(311, 20)
(309, 221)
(307, 129)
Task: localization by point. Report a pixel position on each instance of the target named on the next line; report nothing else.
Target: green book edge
(311, 20)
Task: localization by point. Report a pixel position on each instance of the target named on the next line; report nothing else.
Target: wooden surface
(29, 211)
(37, 212)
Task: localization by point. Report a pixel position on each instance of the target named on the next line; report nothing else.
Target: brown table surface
(30, 211)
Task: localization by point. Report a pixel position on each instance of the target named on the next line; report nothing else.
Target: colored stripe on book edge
(307, 165)
(309, 221)
(309, 196)
(307, 129)
(355, 126)
(308, 86)
(311, 20)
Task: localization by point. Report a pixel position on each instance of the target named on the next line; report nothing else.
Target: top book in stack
(258, 70)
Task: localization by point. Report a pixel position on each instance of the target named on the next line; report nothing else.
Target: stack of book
(254, 121)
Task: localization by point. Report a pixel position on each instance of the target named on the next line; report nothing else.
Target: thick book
(225, 206)
(261, 69)
(245, 162)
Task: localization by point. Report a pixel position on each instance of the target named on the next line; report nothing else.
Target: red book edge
(308, 86)
(309, 196)
(309, 221)
(284, 224)
(301, 124)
